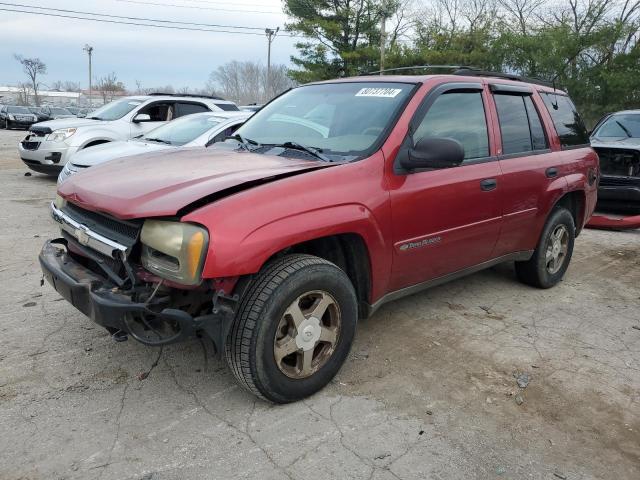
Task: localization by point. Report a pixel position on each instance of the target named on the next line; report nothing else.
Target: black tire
(536, 271)
(249, 348)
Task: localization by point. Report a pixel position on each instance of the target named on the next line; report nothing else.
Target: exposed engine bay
(617, 161)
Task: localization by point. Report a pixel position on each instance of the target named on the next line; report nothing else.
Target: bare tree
(109, 86)
(65, 86)
(23, 94)
(32, 67)
(245, 82)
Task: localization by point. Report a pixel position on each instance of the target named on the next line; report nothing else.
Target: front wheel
(294, 328)
(551, 258)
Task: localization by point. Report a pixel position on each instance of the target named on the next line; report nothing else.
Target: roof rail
(193, 95)
(476, 72)
(417, 67)
(468, 71)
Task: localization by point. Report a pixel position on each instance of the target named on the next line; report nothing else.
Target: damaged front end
(96, 266)
(620, 177)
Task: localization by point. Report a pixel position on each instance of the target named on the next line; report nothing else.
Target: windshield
(114, 110)
(18, 110)
(340, 120)
(184, 129)
(624, 125)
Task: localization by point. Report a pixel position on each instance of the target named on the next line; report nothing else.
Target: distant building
(21, 96)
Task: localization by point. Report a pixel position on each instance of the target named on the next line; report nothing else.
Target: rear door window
(458, 115)
(569, 125)
(520, 126)
(538, 138)
(183, 109)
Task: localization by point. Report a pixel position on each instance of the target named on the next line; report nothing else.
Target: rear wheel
(551, 258)
(294, 328)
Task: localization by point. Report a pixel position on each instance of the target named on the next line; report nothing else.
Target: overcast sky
(154, 56)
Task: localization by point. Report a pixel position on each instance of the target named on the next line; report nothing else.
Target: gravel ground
(430, 390)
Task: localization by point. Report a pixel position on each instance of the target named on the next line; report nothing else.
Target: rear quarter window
(568, 123)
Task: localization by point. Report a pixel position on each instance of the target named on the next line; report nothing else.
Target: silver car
(50, 145)
(197, 130)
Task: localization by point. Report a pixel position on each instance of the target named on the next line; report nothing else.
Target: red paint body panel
(602, 222)
(445, 212)
(161, 183)
(347, 198)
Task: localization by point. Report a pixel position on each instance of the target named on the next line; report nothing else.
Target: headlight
(59, 202)
(11, 117)
(174, 250)
(60, 135)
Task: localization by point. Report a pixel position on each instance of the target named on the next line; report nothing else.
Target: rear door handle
(488, 184)
(551, 172)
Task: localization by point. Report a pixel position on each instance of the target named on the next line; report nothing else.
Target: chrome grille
(124, 232)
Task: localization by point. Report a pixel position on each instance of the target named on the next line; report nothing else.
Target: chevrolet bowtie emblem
(82, 235)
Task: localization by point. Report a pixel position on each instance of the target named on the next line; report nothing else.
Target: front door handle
(551, 172)
(488, 184)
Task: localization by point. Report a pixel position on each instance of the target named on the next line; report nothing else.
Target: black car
(37, 111)
(616, 138)
(16, 117)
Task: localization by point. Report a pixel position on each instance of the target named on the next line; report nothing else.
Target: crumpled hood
(72, 122)
(609, 142)
(90, 157)
(162, 183)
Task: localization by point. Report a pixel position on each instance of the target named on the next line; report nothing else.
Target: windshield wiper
(159, 140)
(238, 138)
(94, 118)
(316, 152)
(623, 128)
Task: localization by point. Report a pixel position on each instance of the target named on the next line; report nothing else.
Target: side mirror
(141, 117)
(433, 152)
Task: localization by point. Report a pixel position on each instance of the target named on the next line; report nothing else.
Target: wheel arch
(96, 141)
(575, 202)
(349, 252)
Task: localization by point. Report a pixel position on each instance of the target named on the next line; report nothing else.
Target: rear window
(566, 119)
(228, 107)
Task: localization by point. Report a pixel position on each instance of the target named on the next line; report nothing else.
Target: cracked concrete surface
(427, 393)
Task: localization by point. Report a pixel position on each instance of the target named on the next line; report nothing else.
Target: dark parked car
(616, 139)
(37, 111)
(16, 117)
(55, 113)
(332, 200)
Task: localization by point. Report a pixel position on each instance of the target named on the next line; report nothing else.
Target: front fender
(230, 257)
(82, 139)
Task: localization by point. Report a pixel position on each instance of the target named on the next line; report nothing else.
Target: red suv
(334, 199)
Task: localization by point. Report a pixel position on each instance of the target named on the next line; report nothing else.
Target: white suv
(50, 145)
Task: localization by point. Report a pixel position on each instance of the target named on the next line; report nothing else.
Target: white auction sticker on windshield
(379, 92)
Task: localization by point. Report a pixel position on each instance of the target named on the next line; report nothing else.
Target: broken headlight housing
(174, 250)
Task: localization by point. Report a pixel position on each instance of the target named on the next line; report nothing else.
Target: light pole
(89, 49)
(271, 34)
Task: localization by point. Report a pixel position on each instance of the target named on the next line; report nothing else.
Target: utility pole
(89, 49)
(271, 35)
(383, 34)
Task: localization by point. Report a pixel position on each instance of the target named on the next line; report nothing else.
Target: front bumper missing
(115, 310)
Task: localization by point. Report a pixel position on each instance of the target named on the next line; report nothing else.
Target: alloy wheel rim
(307, 334)
(557, 248)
